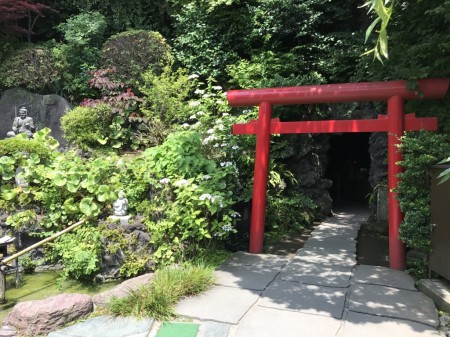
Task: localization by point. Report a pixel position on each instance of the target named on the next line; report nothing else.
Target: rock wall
(46, 111)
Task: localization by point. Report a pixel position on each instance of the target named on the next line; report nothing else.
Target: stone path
(319, 292)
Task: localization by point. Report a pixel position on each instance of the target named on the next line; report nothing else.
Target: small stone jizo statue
(121, 205)
(22, 124)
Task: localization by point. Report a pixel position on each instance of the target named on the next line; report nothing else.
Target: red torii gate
(395, 123)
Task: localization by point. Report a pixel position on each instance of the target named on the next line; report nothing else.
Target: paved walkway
(319, 292)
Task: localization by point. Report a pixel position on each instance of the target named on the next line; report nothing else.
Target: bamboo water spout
(3, 262)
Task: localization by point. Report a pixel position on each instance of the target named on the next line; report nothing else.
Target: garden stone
(8, 331)
(122, 289)
(42, 316)
(45, 110)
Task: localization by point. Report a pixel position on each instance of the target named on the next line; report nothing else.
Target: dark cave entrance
(348, 167)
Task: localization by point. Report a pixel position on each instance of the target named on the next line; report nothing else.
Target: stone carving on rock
(22, 124)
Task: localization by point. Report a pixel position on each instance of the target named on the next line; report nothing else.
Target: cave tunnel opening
(348, 167)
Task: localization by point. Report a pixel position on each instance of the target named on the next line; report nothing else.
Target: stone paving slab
(348, 245)
(353, 223)
(358, 325)
(365, 274)
(438, 291)
(317, 274)
(245, 277)
(330, 257)
(391, 302)
(220, 304)
(213, 329)
(259, 260)
(343, 232)
(267, 322)
(115, 326)
(311, 299)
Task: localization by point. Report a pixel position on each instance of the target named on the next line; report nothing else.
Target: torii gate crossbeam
(395, 123)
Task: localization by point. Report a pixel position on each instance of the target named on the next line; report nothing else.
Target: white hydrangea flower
(210, 131)
(217, 87)
(199, 92)
(209, 139)
(205, 196)
(164, 181)
(225, 114)
(235, 147)
(206, 177)
(200, 113)
(181, 182)
(193, 117)
(206, 95)
(185, 125)
(194, 103)
(226, 164)
(193, 76)
(227, 228)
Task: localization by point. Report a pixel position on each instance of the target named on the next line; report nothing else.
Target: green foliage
(291, 212)
(114, 241)
(32, 67)
(65, 189)
(11, 146)
(191, 182)
(22, 219)
(158, 299)
(444, 175)
(79, 252)
(85, 126)
(383, 11)
(418, 47)
(27, 264)
(133, 53)
(165, 99)
(420, 151)
(84, 29)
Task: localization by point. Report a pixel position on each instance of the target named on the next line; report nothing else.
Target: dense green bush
(88, 127)
(291, 212)
(165, 101)
(420, 151)
(33, 67)
(11, 146)
(78, 251)
(134, 52)
(84, 29)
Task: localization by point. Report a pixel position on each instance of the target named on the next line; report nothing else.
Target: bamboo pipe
(40, 243)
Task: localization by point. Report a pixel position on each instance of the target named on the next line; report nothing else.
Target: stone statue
(22, 124)
(121, 205)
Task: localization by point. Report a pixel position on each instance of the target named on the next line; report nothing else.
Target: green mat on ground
(178, 330)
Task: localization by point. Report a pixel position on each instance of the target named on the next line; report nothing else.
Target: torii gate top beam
(431, 88)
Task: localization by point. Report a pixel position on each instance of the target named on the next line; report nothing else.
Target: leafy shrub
(165, 105)
(79, 252)
(16, 145)
(27, 264)
(135, 52)
(420, 151)
(33, 67)
(292, 212)
(84, 29)
(86, 127)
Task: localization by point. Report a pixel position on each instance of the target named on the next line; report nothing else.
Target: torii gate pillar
(395, 123)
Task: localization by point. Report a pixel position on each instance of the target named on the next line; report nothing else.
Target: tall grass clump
(158, 298)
